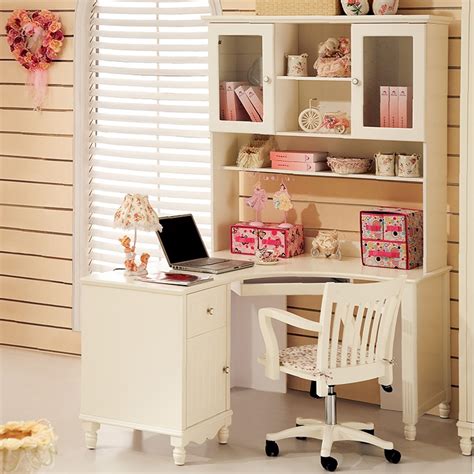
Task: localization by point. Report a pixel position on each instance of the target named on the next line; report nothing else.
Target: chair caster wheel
(301, 438)
(392, 456)
(271, 449)
(329, 463)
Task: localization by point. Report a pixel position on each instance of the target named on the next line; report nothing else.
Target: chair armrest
(272, 351)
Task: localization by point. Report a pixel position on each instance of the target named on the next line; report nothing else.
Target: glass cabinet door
(241, 85)
(388, 82)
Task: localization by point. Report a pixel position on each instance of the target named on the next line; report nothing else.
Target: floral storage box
(392, 238)
(246, 239)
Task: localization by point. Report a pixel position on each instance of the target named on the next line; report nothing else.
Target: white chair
(355, 343)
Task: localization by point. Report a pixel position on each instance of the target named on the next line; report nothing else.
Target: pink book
(299, 156)
(255, 94)
(295, 166)
(250, 109)
(394, 122)
(405, 107)
(384, 106)
(235, 109)
(222, 101)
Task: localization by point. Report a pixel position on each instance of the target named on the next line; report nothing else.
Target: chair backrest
(358, 323)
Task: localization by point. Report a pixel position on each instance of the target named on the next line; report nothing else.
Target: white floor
(37, 385)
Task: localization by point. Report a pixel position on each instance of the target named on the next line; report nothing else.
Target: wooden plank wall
(347, 198)
(36, 173)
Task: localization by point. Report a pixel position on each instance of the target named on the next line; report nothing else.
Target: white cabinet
(155, 360)
(385, 55)
(241, 53)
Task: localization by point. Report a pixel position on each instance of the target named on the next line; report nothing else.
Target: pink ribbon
(37, 81)
(374, 227)
(245, 240)
(394, 228)
(274, 242)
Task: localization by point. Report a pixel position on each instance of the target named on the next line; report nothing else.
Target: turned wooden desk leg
(90, 432)
(179, 453)
(409, 361)
(444, 409)
(223, 435)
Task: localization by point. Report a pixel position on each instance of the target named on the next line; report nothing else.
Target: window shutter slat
(148, 120)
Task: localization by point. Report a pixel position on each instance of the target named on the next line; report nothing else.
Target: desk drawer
(206, 310)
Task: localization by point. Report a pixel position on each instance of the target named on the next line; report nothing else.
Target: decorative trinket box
(392, 238)
(285, 242)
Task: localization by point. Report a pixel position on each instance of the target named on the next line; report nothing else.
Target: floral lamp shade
(136, 213)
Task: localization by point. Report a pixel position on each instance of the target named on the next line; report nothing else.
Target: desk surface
(301, 266)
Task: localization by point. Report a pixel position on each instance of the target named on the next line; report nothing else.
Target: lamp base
(129, 273)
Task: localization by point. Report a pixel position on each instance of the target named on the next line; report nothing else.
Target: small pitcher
(408, 165)
(297, 65)
(384, 164)
(385, 7)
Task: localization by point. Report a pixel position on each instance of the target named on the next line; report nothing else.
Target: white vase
(385, 7)
(355, 7)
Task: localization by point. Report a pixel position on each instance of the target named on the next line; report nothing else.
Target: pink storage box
(392, 238)
(245, 239)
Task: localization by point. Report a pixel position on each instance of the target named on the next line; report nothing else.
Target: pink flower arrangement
(35, 38)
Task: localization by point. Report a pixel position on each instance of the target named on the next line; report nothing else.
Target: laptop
(184, 249)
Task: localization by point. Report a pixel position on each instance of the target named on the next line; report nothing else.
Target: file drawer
(206, 311)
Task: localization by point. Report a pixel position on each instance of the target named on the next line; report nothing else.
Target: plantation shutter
(148, 117)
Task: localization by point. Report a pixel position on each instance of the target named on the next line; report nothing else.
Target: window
(141, 119)
(147, 117)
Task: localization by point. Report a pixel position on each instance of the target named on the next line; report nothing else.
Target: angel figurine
(282, 202)
(257, 202)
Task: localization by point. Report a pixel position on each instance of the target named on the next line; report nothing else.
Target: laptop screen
(180, 239)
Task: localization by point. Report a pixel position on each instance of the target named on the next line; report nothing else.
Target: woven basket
(299, 7)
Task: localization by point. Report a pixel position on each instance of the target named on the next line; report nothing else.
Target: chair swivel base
(351, 431)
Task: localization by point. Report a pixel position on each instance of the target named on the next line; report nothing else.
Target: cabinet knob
(355, 81)
(266, 79)
(226, 369)
(210, 311)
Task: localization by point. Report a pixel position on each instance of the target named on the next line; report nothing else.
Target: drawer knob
(210, 311)
(355, 81)
(226, 369)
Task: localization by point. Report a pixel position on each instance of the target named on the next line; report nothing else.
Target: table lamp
(136, 213)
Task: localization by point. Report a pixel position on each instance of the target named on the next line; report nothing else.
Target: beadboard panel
(36, 243)
(36, 194)
(40, 220)
(36, 291)
(35, 170)
(43, 338)
(30, 121)
(18, 97)
(36, 146)
(41, 268)
(43, 315)
(61, 73)
(66, 54)
(53, 5)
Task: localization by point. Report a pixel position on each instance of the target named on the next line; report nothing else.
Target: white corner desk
(157, 357)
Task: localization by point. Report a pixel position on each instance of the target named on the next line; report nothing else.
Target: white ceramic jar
(355, 7)
(385, 7)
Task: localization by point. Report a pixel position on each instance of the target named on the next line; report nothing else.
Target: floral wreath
(35, 40)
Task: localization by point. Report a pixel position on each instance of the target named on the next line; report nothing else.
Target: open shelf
(314, 78)
(325, 174)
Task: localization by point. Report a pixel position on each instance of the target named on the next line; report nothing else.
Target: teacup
(297, 65)
(408, 165)
(385, 164)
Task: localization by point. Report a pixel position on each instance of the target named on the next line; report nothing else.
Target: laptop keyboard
(203, 262)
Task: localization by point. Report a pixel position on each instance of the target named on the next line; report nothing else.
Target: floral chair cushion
(303, 358)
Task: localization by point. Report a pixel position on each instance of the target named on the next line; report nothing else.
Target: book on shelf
(234, 111)
(175, 278)
(249, 108)
(405, 107)
(298, 156)
(299, 166)
(394, 122)
(384, 106)
(222, 101)
(255, 95)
